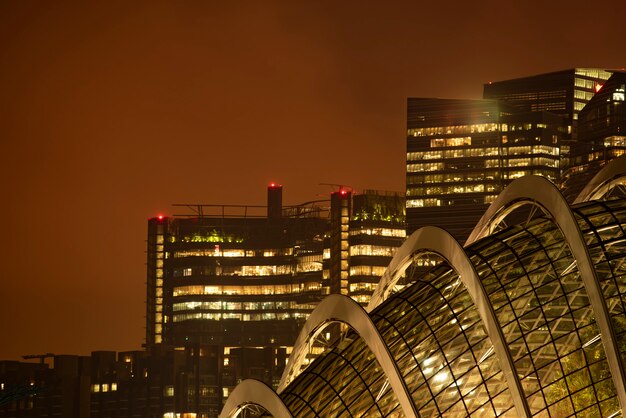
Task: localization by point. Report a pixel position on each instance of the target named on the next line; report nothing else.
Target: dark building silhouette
(158, 383)
(36, 390)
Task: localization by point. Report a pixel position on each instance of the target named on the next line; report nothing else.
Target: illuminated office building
(365, 230)
(376, 229)
(564, 93)
(245, 278)
(601, 135)
(462, 153)
(234, 275)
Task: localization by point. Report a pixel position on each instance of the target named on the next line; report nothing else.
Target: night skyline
(113, 112)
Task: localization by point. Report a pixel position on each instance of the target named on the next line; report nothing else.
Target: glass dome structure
(526, 320)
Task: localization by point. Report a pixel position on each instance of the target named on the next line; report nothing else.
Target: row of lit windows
(615, 141)
(537, 161)
(473, 152)
(414, 168)
(586, 84)
(245, 290)
(517, 139)
(531, 149)
(231, 306)
(376, 250)
(367, 271)
(450, 142)
(183, 414)
(362, 287)
(158, 288)
(309, 263)
(420, 203)
(457, 188)
(385, 232)
(452, 177)
(452, 153)
(466, 141)
(232, 252)
(267, 316)
(592, 72)
(458, 129)
(254, 271)
(583, 95)
(213, 236)
(103, 387)
(520, 127)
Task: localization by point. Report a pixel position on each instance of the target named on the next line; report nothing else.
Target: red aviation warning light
(598, 87)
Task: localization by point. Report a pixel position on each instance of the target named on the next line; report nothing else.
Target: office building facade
(244, 279)
(365, 230)
(462, 153)
(563, 93)
(235, 276)
(601, 135)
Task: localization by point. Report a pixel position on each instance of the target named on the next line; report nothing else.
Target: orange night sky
(112, 111)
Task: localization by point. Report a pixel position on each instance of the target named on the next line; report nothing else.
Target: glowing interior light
(442, 376)
(598, 87)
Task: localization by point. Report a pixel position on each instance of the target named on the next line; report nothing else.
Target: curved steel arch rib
(252, 391)
(340, 308)
(541, 192)
(439, 241)
(604, 180)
